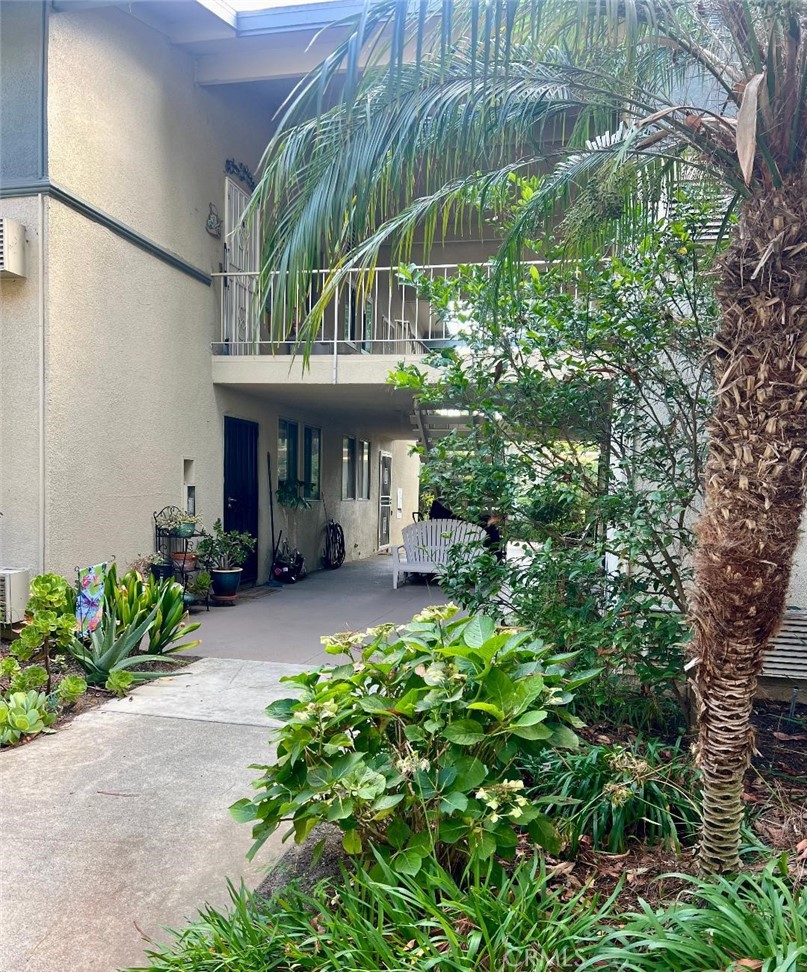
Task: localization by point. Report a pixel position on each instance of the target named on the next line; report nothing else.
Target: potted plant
(176, 522)
(201, 585)
(184, 561)
(223, 553)
(289, 494)
(160, 566)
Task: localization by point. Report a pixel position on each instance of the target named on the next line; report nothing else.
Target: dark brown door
(241, 484)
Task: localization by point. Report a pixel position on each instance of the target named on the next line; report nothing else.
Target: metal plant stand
(171, 546)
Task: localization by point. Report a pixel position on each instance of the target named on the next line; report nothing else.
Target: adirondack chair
(426, 545)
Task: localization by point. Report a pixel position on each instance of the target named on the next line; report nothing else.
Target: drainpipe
(42, 375)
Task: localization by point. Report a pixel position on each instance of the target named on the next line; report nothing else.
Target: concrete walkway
(286, 624)
(118, 825)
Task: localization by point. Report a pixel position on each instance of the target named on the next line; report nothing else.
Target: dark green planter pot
(162, 571)
(184, 530)
(225, 582)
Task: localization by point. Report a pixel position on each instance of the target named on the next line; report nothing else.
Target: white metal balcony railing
(386, 317)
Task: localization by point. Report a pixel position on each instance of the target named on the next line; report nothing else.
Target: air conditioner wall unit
(14, 591)
(12, 248)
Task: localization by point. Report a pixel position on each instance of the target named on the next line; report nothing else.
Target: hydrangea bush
(411, 745)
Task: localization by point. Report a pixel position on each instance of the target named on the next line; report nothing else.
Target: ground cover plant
(615, 794)
(754, 921)
(49, 672)
(366, 924)
(395, 923)
(411, 747)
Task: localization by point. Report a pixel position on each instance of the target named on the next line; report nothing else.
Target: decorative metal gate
(240, 312)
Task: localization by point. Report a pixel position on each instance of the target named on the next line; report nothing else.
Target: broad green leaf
(397, 834)
(243, 811)
(465, 732)
(484, 845)
(531, 718)
(470, 773)
(564, 737)
(376, 703)
(352, 842)
(388, 801)
(303, 827)
(407, 862)
(581, 678)
(488, 707)
(499, 690)
(340, 809)
(535, 731)
(451, 831)
(454, 802)
(281, 709)
(478, 630)
(543, 832)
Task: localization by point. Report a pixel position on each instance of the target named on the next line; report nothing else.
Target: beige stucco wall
(23, 312)
(131, 132)
(128, 392)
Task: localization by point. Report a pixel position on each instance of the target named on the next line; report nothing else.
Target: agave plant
(131, 598)
(418, 118)
(111, 650)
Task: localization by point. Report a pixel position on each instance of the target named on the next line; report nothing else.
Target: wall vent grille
(788, 656)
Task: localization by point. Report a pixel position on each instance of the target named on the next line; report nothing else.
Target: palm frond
(437, 103)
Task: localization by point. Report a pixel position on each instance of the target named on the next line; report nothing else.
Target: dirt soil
(781, 741)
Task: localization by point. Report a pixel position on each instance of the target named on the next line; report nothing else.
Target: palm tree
(419, 117)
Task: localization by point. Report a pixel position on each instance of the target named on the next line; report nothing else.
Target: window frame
(348, 474)
(292, 466)
(363, 469)
(310, 433)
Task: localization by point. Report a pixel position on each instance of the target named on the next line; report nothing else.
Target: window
(287, 467)
(364, 469)
(348, 468)
(312, 449)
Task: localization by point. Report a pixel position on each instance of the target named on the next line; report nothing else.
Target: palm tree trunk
(754, 494)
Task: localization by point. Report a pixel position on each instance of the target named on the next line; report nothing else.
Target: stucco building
(135, 370)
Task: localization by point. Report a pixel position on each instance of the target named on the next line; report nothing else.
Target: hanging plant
(289, 494)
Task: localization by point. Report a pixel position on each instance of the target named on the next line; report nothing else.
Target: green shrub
(395, 923)
(131, 599)
(112, 649)
(614, 793)
(49, 627)
(411, 746)
(754, 921)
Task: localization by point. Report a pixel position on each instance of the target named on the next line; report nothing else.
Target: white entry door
(384, 498)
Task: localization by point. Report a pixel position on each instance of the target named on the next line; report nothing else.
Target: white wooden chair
(426, 546)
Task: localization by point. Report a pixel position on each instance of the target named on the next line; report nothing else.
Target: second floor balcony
(386, 318)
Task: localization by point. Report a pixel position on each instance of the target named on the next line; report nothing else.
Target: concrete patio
(285, 624)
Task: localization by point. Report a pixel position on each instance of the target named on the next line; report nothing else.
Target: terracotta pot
(185, 561)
